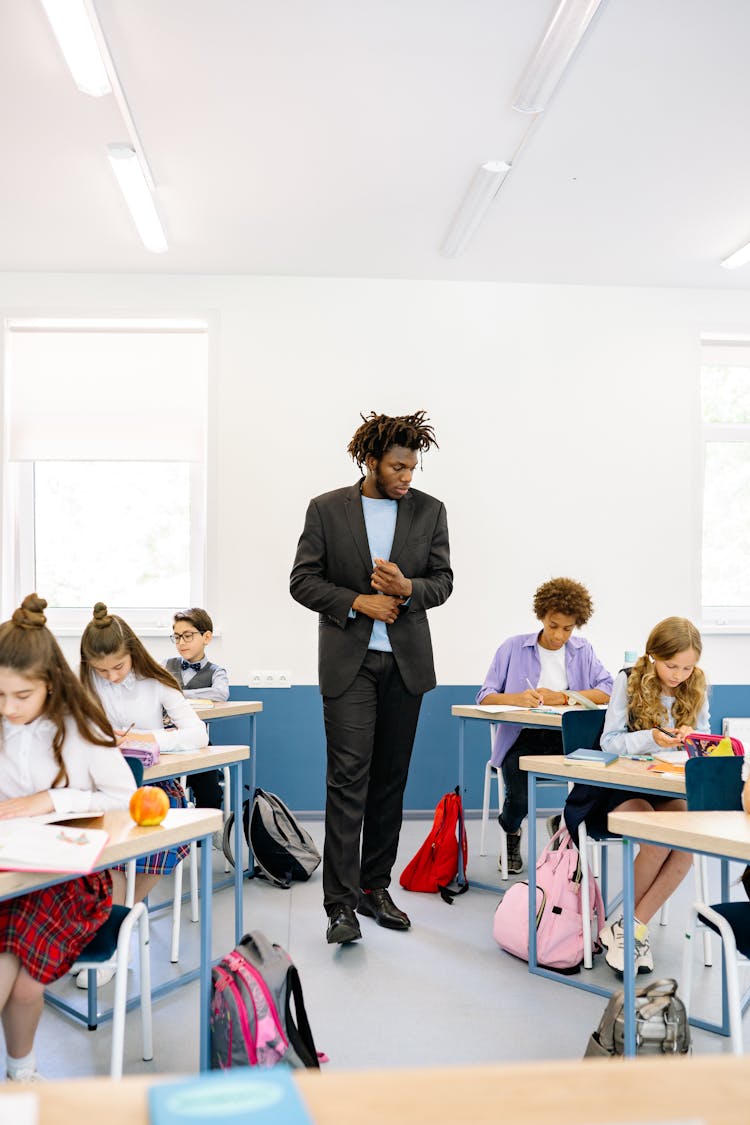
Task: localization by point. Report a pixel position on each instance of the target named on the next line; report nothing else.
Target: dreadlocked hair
(28, 648)
(645, 708)
(378, 433)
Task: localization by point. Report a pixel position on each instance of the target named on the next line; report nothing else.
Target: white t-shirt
(553, 675)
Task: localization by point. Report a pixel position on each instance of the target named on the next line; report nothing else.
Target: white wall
(568, 426)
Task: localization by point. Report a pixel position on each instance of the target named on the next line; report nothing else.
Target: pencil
(125, 734)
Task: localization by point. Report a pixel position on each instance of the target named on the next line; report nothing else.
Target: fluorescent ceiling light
(566, 30)
(738, 258)
(482, 190)
(75, 34)
(129, 173)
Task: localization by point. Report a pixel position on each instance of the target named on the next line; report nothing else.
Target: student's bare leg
(10, 967)
(657, 872)
(144, 884)
(22, 1013)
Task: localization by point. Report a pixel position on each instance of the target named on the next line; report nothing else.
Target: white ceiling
(337, 137)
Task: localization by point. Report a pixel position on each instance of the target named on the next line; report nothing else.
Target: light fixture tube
(75, 35)
(563, 35)
(739, 258)
(129, 174)
(482, 190)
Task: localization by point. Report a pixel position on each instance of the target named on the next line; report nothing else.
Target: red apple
(149, 805)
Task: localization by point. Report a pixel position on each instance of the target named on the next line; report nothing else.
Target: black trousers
(370, 733)
(206, 789)
(516, 805)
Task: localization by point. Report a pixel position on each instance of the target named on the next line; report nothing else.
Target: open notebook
(29, 846)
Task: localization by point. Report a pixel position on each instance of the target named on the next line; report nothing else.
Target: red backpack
(435, 866)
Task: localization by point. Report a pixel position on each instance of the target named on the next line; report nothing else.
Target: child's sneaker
(28, 1074)
(644, 962)
(515, 861)
(612, 938)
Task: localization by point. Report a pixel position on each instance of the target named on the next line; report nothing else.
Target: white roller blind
(105, 393)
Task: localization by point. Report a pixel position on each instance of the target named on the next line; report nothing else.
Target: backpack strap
(297, 1024)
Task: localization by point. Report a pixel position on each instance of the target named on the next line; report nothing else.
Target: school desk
(211, 713)
(198, 761)
(128, 841)
(725, 835)
(623, 774)
(711, 1090)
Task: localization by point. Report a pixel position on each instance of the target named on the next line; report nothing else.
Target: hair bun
(30, 614)
(102, 619)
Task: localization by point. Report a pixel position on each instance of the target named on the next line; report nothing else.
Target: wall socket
(266, 679)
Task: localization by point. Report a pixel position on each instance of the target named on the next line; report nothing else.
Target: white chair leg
(596, 859)
(700, 867)
(119, 1008)
(686, 983)
(588, 958)
(145, 971)
(485, 807)
(664, 914)
(176, 913)
(130, 884)
(194, 911)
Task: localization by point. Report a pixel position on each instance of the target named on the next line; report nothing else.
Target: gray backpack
(661, 1023)
(258, 1016)
(284, 851)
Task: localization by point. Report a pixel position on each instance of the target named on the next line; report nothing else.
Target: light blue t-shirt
(380, 524)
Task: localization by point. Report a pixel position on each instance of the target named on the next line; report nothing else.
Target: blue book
(248, 1096)
(593, 757)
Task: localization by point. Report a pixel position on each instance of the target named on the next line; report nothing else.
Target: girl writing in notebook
(654, 706)
(58, 753)
(136, 692)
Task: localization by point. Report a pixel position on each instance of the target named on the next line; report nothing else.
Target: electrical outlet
(263, 678)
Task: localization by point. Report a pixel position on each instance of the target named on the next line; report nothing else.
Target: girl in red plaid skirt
(136, 691)
(58, 753)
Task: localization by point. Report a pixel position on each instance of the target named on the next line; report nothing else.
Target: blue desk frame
(571, 775)
(203, 972)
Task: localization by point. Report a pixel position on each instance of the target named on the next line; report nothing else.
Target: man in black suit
(371, 560)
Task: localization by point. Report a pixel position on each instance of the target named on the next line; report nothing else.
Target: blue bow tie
(186, 664)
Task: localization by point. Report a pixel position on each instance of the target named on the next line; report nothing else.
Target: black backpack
(284, 851)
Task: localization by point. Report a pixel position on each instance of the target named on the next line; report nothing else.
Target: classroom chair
(716, 784)
(110, 948)
(491, 771)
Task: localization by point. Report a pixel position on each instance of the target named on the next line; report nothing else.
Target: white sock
(13, 1066)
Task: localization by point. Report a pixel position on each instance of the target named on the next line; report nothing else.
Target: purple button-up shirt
(517, 660)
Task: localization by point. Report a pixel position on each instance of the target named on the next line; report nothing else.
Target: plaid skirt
(49, 929)
(161, 863)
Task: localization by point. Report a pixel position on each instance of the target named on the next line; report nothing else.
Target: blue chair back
(581, 730)
(136, 768)
(714, 784)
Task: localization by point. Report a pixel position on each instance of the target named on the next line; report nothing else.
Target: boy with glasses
(193, 629)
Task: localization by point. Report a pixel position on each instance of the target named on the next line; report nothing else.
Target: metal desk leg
(628, 912)
(531, 830)
(205, 968)
(236, 781)
(253, 783)
(461, 876)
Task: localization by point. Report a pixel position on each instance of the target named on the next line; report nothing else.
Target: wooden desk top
(625, 772)
(229, 709)
(713, 1090)
(716, 833)
(126, 840)
(171, 765)
(518, 715)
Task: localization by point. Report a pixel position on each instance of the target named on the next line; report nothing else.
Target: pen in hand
(124, 734)
(535, 690)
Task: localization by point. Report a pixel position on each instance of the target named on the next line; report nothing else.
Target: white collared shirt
(98, 776)
(143, 702)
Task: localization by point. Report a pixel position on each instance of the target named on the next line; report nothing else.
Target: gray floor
(441, 994)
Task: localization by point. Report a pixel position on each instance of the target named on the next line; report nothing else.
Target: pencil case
(713, 746)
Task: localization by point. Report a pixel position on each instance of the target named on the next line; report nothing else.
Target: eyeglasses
(179, 638)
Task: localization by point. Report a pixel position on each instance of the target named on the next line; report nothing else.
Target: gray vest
(203, 678)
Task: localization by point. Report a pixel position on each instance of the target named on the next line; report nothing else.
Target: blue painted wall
(291, 744)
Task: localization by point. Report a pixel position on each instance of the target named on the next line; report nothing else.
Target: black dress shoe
(342, 926)
(379, 905)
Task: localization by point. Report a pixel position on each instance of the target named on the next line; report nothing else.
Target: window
(105, 467)
(725, 410)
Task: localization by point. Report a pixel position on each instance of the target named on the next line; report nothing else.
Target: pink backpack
(559, 923)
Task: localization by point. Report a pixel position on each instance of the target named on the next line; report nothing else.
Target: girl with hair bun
(58, 753)
(654, 706)
(134, 690)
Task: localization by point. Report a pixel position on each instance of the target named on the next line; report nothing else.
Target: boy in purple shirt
(535, 669)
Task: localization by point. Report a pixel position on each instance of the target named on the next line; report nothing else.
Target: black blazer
(333, 565)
